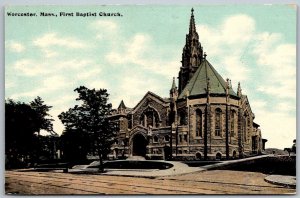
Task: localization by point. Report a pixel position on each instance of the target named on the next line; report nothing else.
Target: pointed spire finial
(173, 83)
(192, 22)
(227, 86)
(122, 105)
(239, 90)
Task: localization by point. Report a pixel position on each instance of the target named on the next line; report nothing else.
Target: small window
(218, 156)
(198, 156)
(185, 137)
(234, 154)
(167, 138)
(155, 139)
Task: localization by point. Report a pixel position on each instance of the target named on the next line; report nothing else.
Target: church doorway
(139, 144)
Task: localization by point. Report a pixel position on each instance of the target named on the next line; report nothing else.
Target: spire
(192, 22)
(239, 90)
(192, 55)
(174, 91)
(122, 105)
(173, 84)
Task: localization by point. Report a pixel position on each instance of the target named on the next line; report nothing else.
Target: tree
(91, 117)
(294, 146)
(44, 120)
(22, 124)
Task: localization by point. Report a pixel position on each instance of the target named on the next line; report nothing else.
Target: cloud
(140, 50)
(53, 39)
(227, 44)
(238, 29)
(47, 86)
(280, 60)
(14, 46)
(29, 67)
(231, 37)
(50, 53)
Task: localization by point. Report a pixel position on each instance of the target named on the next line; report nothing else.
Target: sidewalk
(178, 168)
(282, 180)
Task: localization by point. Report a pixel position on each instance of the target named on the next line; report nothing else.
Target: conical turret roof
(206, 74)
(122, 105)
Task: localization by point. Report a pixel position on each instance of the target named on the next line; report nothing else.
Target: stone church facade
(204, 118)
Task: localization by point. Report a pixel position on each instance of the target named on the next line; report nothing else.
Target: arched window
(234, 154)
(198, 123)
(232, 123)
(185, 137)
(198, 156)
(218, 122)
(142, 120)
(182, 118)
(218, 156)
(149, 118)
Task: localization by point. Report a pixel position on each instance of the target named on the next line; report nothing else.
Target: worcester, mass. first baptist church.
(203, 118)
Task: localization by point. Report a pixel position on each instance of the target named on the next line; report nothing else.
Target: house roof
(198, 83)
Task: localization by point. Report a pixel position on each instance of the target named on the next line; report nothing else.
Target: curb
(270, 180)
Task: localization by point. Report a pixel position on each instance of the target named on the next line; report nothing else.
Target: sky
(140, 51)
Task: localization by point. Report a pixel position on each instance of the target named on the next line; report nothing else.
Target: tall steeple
(192, 55)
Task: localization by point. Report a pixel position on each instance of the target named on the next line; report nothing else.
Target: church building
(203, 118)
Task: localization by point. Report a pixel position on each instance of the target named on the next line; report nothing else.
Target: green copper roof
(198, 83)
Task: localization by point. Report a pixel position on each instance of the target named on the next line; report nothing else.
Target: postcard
(150, 99)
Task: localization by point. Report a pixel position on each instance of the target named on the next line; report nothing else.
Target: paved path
(207, 182)
(178, 168)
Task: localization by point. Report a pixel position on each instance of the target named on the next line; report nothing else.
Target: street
(207, 182)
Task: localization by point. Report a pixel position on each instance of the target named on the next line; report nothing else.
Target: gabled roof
(198, 83)
(154, 96)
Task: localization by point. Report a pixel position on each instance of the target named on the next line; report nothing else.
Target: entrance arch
(139, 144)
